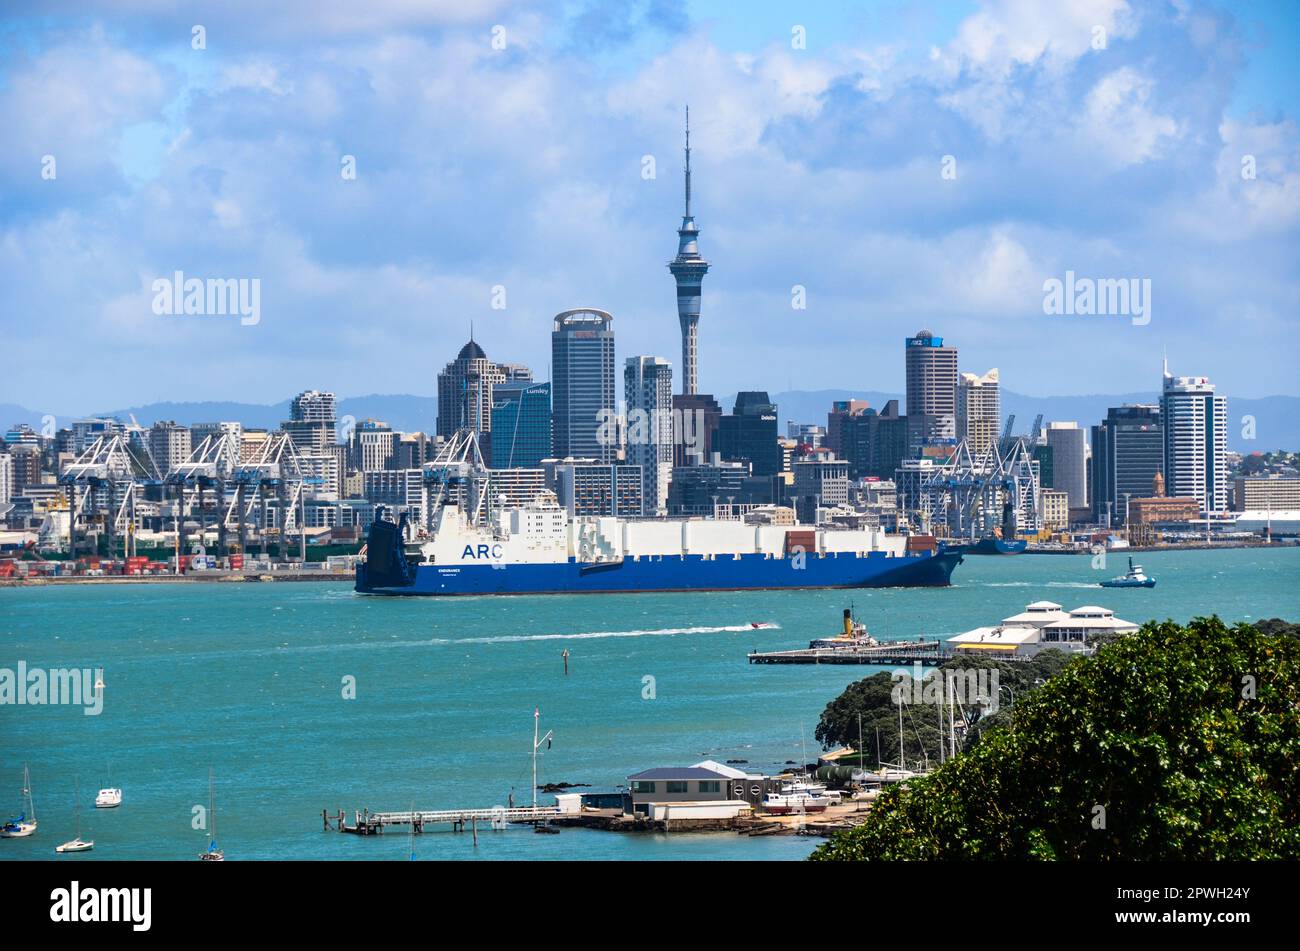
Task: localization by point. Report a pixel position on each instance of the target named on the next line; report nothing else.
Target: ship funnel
(848, 622)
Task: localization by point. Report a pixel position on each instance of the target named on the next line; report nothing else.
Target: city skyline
(231, 162)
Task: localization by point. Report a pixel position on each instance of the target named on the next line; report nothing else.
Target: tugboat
(1135, 578)
(854, 635)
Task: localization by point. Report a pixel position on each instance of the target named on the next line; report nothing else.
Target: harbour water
(250, 679)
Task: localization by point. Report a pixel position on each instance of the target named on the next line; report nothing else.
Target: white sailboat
(213, 854)
(23, 824)
(78, 844)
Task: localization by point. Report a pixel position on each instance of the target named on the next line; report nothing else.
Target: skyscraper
(582, 385)
(931, 391)
(979, 410)
(1128, 450)
(648, 389)
(1196, 440)
(465, 391)
(688, 270)
(521, 424)
(749, 434)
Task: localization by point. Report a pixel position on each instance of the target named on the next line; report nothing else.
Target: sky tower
(688, 270)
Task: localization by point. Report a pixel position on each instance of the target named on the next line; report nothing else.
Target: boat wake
(591, 635)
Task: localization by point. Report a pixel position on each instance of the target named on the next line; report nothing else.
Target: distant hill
(1277, 418)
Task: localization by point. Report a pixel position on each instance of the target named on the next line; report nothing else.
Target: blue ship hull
(689, 573)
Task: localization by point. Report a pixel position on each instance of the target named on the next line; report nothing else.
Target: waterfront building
(979, 410)
(517, 487)
(1196, 440)
(169, 445)
(1069, 444)
(819, 484)
(521, 424)
(399, 490)
(931, 391)
(1042, 625)
(1127, 453)
(1056, 509)
(1161, 509)
(688, 270)
(465, 388)
(584, 408)
(1264, 493)
(6, 477)
(749, 434)
(648, 390)
(684, 793)
(699, 489)
(592, 487)
(322, 474)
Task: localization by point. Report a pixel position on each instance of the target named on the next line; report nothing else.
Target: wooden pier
(926, 653)
(365, 822)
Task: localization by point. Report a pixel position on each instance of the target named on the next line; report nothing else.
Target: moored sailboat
(24, 824)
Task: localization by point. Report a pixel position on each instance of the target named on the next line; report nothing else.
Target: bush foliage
(1172, 743)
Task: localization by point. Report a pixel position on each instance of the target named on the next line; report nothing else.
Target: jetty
(926, 653)
(365, 822)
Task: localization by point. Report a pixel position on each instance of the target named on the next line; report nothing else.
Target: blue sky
(523, 167)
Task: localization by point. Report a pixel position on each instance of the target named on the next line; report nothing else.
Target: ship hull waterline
(749, 572)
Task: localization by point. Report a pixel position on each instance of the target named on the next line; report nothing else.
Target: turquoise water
(249, 679)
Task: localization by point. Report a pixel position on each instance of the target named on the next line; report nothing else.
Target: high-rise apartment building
(312, 417)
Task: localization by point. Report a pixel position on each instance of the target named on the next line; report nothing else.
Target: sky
(889, 165)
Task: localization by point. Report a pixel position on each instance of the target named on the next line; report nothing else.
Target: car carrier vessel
(539, 549)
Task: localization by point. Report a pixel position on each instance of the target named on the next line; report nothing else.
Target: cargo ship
(539, 549)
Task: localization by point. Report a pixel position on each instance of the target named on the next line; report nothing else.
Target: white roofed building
(1043, 625)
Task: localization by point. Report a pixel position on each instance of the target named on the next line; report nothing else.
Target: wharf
(926, 653)
(373, 823)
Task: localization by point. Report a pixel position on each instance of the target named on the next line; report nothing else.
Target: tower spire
(688, 161)
(688, 270)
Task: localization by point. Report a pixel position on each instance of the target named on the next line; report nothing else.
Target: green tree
(873, 699)
(1172, 743)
